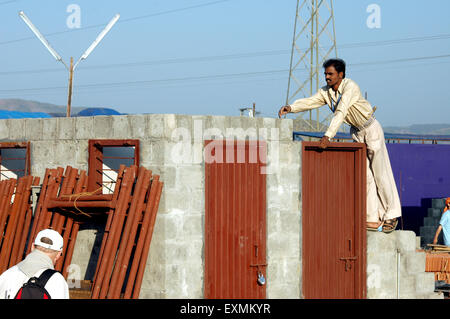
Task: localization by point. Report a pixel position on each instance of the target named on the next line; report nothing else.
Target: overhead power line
(212, 77)
(122, 21)
(229, 56)
(8, 2)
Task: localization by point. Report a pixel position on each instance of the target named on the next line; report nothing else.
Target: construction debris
(64, 203)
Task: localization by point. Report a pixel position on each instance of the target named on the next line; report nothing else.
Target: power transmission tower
(314, 42)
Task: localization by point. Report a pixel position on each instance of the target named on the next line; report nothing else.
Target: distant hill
(416, 129)
(52, 109)
(420, 129)
(34, 106)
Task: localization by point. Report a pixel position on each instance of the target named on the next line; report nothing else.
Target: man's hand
(284, 110)
(324, 142)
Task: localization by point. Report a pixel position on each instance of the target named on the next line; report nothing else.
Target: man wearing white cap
(45, 251)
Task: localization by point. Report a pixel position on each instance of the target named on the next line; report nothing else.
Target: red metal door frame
(235, 222)
(96, 158)
(312, 193)
(21, 145)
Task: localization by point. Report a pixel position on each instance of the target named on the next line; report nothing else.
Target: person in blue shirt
(444, 225)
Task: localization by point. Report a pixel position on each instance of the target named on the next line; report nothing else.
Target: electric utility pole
(72, 67)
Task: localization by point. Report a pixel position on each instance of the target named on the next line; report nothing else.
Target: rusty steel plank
(11, 227)
(3, 185)
(66, 188)
(71, 230)
(23, 205)
(74, 185)
(80, 203)
(105, 267)
(26, 229)
(49, 189)
(110, 217)
(83, 197)
(54, 186)
(37, 211)
(5, 207)
(129, 233)
(145, 224)
(115, 240)
(147, 241)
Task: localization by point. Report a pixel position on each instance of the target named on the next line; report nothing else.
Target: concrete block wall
(395, 269)
(172, 146)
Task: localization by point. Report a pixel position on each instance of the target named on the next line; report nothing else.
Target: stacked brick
(439, 263)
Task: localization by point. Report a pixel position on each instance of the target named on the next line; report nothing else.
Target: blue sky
(214, 57)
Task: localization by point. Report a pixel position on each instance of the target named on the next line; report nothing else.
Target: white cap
(54, 236)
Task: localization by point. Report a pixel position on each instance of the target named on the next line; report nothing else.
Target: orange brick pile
(439, 263)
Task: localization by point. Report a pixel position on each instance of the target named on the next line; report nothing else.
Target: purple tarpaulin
(422, 172)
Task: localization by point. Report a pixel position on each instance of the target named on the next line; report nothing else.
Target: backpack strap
(45, 276)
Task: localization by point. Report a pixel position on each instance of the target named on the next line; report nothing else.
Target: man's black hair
(338, 64)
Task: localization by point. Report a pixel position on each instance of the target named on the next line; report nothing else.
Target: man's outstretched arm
(438, 231)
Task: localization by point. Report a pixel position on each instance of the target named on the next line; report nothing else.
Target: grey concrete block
(66, 128)
(378, 242)
(283, 245)
(434, 212)
(286, 129)
(120, 127)
(33, 129)
(190, 178)
(424, 283)
(152, 153)
(16, 130)
(283, 292)
(103, 127)
(381, 275)
(405, 240)
(283, 278)
(170, 124)
(438, 203)
(155, 126)
(4, 130)
(50, 129)
(415, 261)
(431, 221)
(406, 286)
(84, 127)
(138, 126)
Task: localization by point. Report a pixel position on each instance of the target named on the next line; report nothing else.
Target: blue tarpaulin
(97, 111)
(5, 114)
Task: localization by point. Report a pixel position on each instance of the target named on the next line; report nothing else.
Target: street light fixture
(58, 57)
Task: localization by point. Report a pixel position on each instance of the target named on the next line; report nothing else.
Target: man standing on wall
(345, 100)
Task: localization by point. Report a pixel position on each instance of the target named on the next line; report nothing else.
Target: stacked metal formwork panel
(128, 232)
(15, 219)
(64, 204)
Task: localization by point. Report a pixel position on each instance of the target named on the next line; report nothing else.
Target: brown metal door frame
(360, 159)
(235, 240)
